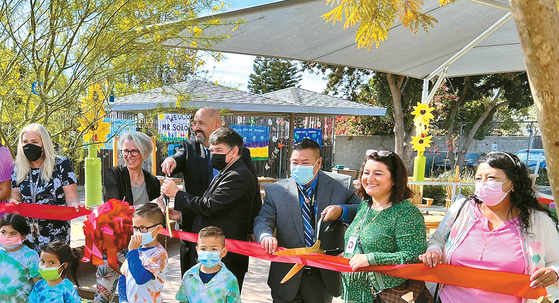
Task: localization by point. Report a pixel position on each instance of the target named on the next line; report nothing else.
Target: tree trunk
(397, 112)
(537, 22)
(451, 121)
(470, 138)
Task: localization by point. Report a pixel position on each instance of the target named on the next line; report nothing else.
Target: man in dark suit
(292, 208)
(228, 199)
(193, 161)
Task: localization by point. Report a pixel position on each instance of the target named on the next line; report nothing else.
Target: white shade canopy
(294, 29)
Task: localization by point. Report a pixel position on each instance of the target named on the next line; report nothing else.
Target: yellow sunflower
(420, 143)
(423, 112)
(420, 126)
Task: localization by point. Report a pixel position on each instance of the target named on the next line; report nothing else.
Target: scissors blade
(294, 270)
(293, 251)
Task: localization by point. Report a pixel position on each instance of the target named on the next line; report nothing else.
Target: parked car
(437, 163)
(533, 158)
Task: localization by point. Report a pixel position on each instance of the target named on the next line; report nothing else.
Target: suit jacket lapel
(324, 191)
(202, 157)
(294, 207)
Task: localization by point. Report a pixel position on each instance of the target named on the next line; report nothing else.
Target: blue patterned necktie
(308, 218)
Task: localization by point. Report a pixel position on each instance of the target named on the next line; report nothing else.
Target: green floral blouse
(395, 235)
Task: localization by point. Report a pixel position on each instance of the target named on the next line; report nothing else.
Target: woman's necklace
(483, 236)
(485, 244)
(136, 181)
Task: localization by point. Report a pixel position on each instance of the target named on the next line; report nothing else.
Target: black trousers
(311, 290)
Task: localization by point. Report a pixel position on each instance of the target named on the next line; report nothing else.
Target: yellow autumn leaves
(376, 17)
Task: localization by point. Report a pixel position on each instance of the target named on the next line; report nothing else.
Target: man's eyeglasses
(133, 152)
(142, 229)
(378, 153)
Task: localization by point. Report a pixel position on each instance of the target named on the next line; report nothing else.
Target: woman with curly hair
(502, 228)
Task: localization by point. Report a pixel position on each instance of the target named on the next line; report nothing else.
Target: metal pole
(425, 93)
(471, 45)
(290, 142)
(495, 4)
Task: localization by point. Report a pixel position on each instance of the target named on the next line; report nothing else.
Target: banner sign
(256, 138)
(173, 127)
(314, 134)
(118, 127)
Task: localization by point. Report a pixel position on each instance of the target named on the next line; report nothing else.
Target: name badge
(350, 248)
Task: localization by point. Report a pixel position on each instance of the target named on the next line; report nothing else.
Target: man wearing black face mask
(228, 199)
(193, 161)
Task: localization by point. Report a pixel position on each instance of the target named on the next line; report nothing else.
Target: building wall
(350, 150)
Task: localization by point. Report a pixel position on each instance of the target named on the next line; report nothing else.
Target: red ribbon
(107, 231)
(508, 283)
(44, 211)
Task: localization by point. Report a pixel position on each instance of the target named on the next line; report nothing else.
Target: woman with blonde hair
(41, 177)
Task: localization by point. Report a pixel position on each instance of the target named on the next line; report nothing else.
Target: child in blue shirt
(209, 280)
(143, 272)
(20, 267)
(57, 260)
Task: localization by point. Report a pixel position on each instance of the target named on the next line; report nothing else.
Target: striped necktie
(308, 217)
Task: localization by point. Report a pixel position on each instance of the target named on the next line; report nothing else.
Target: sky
(234, 71)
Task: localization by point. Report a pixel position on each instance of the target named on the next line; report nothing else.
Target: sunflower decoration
(423, 113)
(420, 142)
(92, 125)
(420, 126)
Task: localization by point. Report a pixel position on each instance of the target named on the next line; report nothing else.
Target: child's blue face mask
(209, 259)
(147, 238)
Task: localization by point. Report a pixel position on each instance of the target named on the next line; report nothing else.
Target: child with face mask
(57, 259)
(20, 268)
(143, 272)
(209, 280)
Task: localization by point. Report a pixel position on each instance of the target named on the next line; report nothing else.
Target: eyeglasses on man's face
(133, 152)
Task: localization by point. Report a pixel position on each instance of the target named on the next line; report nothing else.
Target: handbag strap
(436, 298)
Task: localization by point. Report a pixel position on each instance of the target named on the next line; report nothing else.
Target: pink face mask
(10, 243)
(491, 193)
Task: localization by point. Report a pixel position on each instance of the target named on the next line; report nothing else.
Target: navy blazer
(282, 213)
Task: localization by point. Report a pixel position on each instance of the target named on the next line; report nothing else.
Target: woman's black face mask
(32, 152)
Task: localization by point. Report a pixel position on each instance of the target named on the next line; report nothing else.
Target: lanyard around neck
(309, 200)
(34, 187)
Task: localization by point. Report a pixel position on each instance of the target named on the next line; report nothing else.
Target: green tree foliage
(476, 100)
(272, 74)
(64, 47)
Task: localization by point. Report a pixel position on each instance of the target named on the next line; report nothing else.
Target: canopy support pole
(495, 4)
(427, 96)
(290, 141)
(471, 45)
